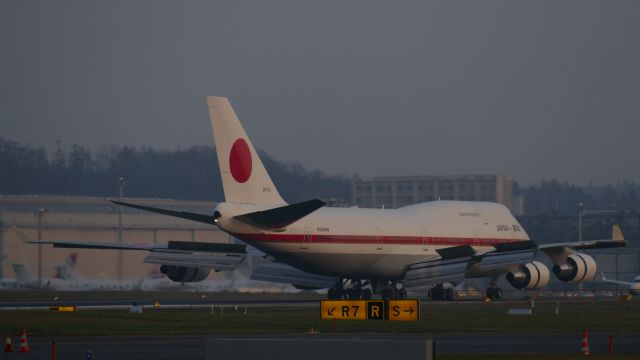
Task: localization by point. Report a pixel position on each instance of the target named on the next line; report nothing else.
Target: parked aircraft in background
(634, 285)
(24, 276)
(68, 280)
(351, 251)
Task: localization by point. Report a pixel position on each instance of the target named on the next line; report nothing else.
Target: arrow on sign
(330, 312)
(410, 311)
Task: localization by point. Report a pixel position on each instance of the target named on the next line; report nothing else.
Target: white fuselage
(377, 243)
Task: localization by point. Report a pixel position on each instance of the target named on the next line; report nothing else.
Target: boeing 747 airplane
(354, 252)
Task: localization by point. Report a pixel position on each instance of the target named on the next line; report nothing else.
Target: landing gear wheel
(399, 294)
(348, 294)
(366, 294)
(333, 294)
(386, 294)
(448, 295)
(493, 293)
(498, 293)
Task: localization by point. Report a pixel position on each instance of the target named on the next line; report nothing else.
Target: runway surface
(192, 347)
(121, 304)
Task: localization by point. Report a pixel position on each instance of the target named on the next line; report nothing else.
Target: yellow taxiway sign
(404, 310)
(395, 310)
(343, 309)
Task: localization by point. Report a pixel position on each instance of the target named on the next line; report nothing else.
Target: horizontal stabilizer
(207, 219)
(280, 217)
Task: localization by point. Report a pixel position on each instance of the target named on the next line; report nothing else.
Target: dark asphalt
(27, 304)
(192, 347)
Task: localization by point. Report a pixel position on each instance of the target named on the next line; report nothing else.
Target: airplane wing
(556, 250)
(454, 264)
(86, 244)
(216, 256)
(628, 283)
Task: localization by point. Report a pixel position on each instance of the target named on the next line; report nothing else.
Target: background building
(94, 219)
(397, 191)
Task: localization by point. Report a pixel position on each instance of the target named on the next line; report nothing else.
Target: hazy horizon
(534, 91)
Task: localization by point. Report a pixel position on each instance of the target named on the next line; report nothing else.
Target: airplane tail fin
(24, 276)
(244, 178)
(71, 260)
(66, 272)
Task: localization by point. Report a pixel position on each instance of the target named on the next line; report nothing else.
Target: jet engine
(533, 275)
(184, 274)
(578, 267)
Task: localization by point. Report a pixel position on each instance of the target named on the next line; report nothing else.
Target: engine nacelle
(533, 275)
(578, 267)
(185, 274)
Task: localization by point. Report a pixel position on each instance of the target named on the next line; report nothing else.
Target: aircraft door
(483, 216)
(425, 239)
(306, 241)
(379, 239)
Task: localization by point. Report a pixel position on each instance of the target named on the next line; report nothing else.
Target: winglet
(602, 275)
(616, 233)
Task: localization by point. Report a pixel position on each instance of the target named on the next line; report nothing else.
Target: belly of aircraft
(346, 261)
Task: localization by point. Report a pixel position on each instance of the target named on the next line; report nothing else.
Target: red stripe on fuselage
(369, 239)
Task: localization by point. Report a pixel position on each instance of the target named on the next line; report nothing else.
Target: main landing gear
(493, 292)
(441, 292)
(357, 290)
(392, 292)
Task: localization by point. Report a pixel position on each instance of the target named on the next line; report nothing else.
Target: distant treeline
(563, 197)
(181, 174)
(193, 174)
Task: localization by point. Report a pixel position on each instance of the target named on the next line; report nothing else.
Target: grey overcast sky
(534, 90)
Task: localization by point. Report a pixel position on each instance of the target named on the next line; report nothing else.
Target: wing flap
(427, 273)
(216, 261)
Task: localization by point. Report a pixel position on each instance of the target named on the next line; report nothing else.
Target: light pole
(121, 182)
(580, 214)
(39, 214)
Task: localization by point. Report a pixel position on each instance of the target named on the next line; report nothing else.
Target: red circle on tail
(240, 161)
